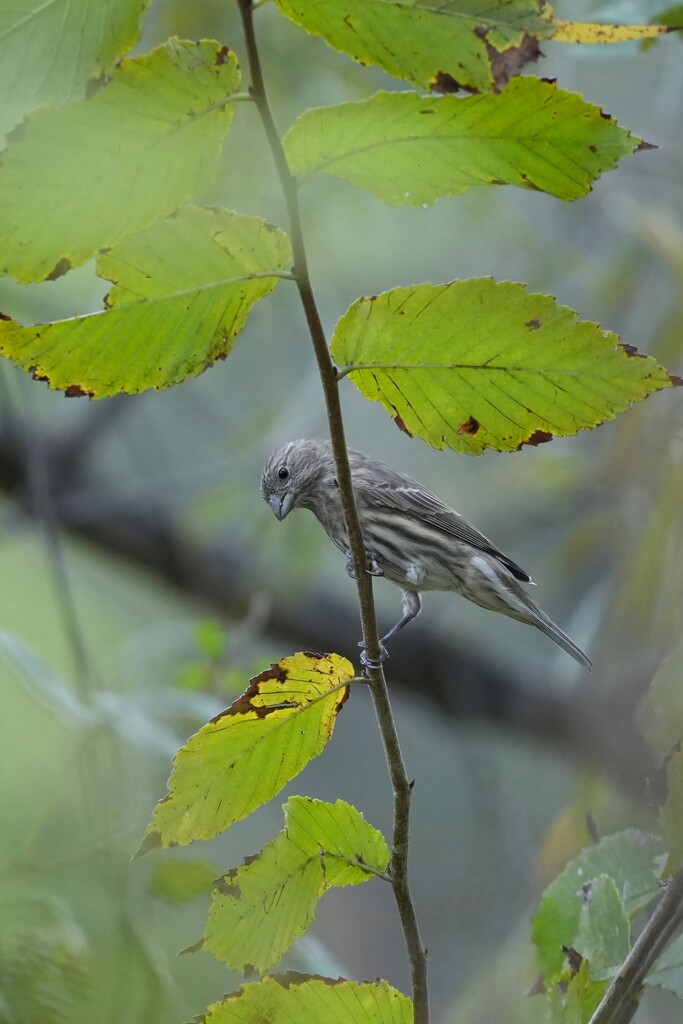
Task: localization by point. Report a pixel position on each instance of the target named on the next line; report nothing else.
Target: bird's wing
(400, 493)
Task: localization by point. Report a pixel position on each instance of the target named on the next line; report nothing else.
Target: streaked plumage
(412, 538)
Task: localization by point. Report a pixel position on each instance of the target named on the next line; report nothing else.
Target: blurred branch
(597, 731)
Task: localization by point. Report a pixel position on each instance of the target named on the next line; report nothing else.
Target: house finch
(411, 538)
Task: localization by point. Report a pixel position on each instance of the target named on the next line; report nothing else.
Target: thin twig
(621, 998)
(328, 377)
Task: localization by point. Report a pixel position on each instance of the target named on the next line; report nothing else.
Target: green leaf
(444, 46)
(480, 364)
(79, 178)
(668, 971)
(583, 996)
(603, 936)
(259, 909)
(245, 755)
(671, 814)
(632, 859)
(180, 880)
(49, 51)
(409, 150)
(183, 289)
(297, 998)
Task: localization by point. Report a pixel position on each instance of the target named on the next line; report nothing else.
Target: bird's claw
(372, 566)
(371, 663)
(350, 570)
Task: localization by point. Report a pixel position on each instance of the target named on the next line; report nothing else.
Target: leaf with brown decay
(245, 755)
(522, 367)
(260, 908)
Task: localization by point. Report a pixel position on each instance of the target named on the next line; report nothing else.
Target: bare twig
(621, 998)
(328, 377)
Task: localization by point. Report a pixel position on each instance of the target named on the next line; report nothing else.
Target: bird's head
(293, 475)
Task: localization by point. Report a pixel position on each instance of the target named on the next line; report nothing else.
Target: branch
(621, 999)
(328, 378)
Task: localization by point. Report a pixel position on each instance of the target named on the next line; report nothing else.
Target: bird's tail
(548, 627)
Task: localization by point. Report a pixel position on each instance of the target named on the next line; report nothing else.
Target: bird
(411, 537)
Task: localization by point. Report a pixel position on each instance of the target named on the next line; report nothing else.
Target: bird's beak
(281, 506)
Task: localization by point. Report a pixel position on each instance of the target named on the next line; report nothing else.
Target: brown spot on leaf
(76, 391)
(642, 145)
(223, 55)
(401, 425)
(527, 183)
(632, 351)
(445, 84)
(470, 426)
(36, 374)
(574, 959)
(481, 31)
(426, 111)
(245, 705)
(593, 148)
(5, 316)
(295, 978)
(538, 437)
(604, 116)
(587, 893)
(506, 64)
(274, 672)
(60, 268)
(534, 324)
(227, 888)
(675, 380)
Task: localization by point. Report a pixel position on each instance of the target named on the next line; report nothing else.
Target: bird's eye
(283, 473)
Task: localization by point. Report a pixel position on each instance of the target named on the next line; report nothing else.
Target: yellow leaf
(590, 32)
(245, 755)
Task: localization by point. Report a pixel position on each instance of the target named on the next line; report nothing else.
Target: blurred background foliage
(107, 668)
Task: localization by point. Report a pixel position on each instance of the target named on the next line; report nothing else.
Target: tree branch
(621, 998)
(328, 378)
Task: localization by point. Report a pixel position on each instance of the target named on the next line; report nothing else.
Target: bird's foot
(350, 570)
(367, 662)
(374, 568)
(372, 565)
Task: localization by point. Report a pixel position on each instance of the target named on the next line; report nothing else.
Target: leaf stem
(328, 376)
(621, 998)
